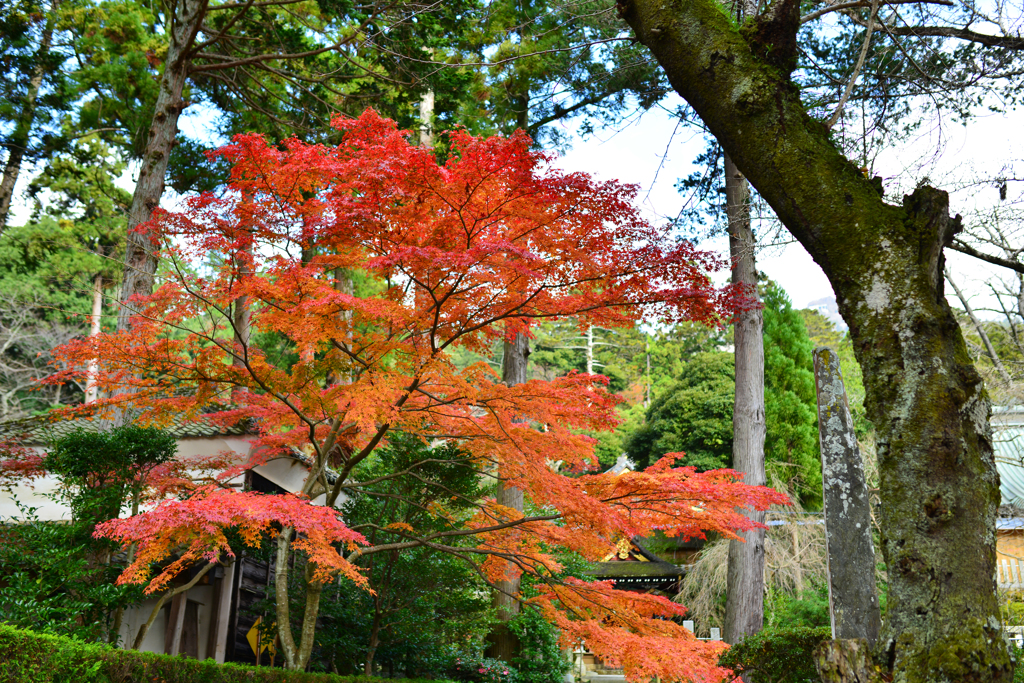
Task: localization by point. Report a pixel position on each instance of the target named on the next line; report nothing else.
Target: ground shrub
(777, 655)
(29, 657)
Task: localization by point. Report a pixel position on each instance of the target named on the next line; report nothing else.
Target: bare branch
(995, 260)
(856, 69)
(867, 3)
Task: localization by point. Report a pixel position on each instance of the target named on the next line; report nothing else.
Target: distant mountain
(827, 307)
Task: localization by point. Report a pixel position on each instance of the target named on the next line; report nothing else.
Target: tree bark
(426, 122)
(502, 643)
(17, 143)
(744, 607)
(939, 488)
(91, 391)
(139, 258)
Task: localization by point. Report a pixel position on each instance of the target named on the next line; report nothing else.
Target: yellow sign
(253, 636)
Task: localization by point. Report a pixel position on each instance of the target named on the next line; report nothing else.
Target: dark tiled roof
(613, 570)
(40, 430)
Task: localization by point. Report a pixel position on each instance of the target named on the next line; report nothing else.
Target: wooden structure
(635, 568)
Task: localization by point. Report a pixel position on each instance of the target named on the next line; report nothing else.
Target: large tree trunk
(17, 143)
(744, 607)
(502, 643)
(139, 258)
(939, 487)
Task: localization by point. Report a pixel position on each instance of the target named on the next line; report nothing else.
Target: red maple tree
(373, 262)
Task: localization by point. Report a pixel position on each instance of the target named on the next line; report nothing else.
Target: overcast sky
(653, 153)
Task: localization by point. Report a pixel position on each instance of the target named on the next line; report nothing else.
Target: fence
(1010, 574)
(716, 634)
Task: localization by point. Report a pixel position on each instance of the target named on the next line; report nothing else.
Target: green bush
(540, 659)
(777, 655)
(28, 657)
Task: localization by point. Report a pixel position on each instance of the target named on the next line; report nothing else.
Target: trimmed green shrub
(777, 655)
(28, 657)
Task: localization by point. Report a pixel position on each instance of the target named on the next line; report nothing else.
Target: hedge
(29, 657)
(777, 655)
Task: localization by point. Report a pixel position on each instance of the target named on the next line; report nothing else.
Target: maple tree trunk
(939, 488)
(17, 143)
(140, 637)
(91, 392)
(744, 607)
(502, 643)
(139, 258)
(241, 321)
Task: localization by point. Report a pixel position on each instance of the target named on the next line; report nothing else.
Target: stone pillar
(851, 555)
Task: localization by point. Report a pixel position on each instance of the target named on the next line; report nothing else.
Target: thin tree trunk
(17, 143)
(647, 352)
(590, 349)
(139, 258)
(426, 122)
(503, 644)
(374, 641)
(91, 390)
(241, 318)
(744, 607)
(283, 608)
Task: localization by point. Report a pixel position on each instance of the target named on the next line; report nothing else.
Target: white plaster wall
(35, 494)
(136, 617)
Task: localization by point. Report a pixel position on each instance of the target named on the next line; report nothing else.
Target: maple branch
(418, 541)
(141, 636)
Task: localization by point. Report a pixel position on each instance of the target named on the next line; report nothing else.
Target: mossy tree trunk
(939, 487)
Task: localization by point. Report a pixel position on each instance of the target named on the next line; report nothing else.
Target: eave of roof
(42, 429)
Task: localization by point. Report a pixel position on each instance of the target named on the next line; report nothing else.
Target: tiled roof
(40, 430)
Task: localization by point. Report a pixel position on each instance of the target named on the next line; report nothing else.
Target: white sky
(653, 153)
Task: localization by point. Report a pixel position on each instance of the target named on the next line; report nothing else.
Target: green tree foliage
(777, 655)
(540, 658)
(550, 61)
(57, 577)
(49, 268)
(791, 435)
(693, 414)
(100, 472)
(33, 89)
(411, 484)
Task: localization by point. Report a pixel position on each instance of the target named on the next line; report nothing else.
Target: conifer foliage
(372, 261)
